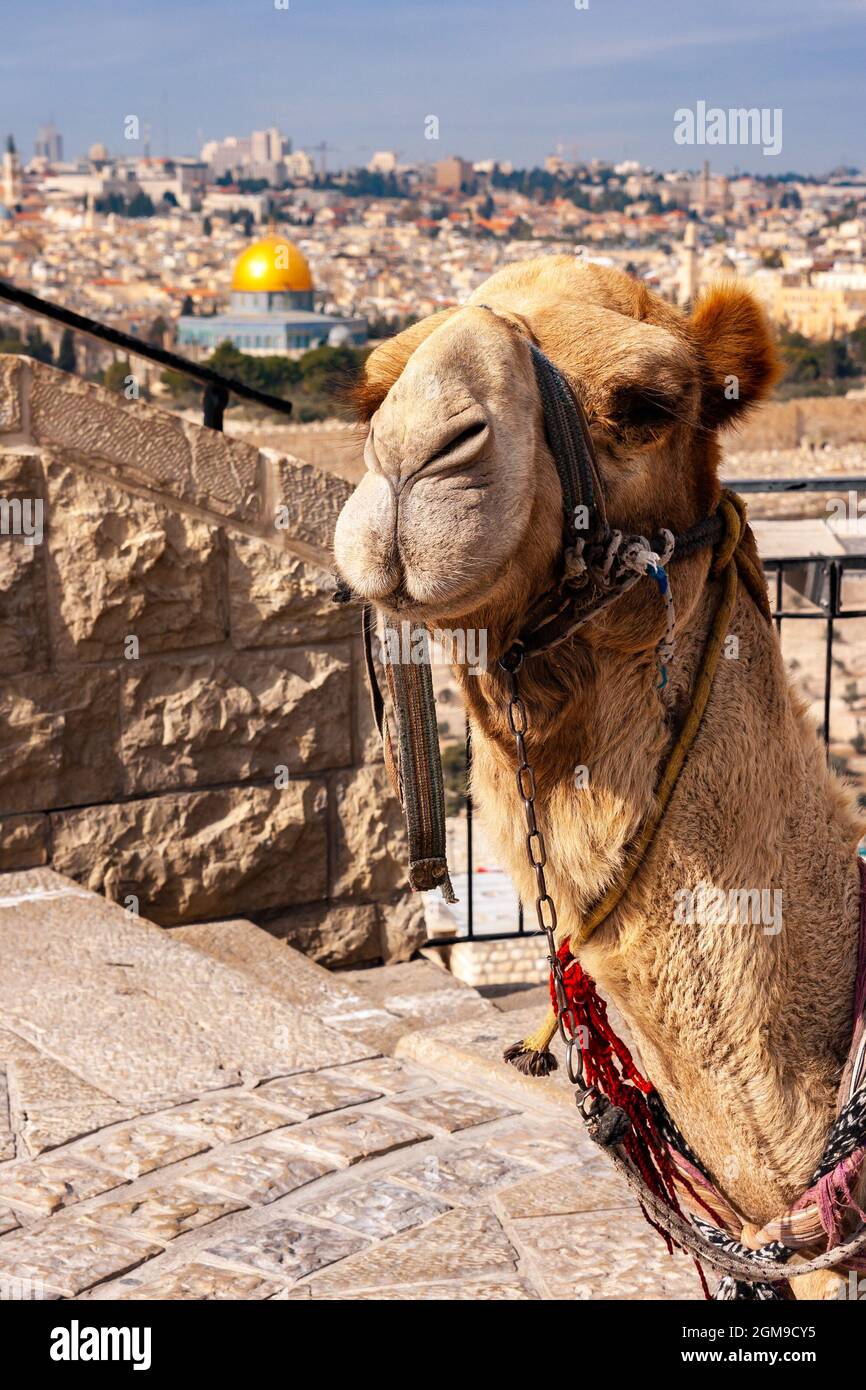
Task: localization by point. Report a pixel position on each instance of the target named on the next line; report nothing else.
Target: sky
(506, 79)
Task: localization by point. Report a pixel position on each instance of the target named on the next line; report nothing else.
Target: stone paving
(254, 1149)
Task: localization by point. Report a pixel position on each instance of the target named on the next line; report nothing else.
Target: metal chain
(545, 908)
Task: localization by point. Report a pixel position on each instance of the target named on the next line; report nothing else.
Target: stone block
(123, 566)
(370, 843)
(56, 1105)
(332, 936)
(258, 1175)
(140, 1148)
(276, 599)
(457, 1245)
(376, 1208)
(23, 841)
(317, 1093)
(227, 1119)
(10, 393)
(50, 1184)
(59, 740)
(198, 1282)
(23, 603)
(69, 1256)
(403, 927)
(451, 1109)
(141, 441)
(462, 1175)
(235, 717)
(307, 500)
(348, 1138)
(288, 1249)
(201, 854)
(145, 444)
(226, 472)
(162, 1212)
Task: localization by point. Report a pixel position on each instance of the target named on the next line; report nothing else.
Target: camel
(457, 523)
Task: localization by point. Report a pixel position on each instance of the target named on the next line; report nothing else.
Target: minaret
(688, 287)
(11, 175)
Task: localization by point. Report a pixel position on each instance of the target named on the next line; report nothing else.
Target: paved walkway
(204, 1113)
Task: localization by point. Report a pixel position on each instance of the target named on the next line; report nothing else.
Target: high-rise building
(49, 144)
(383, 162)
(261, 153)
(451, 174)
(11, 174)
(689, 266)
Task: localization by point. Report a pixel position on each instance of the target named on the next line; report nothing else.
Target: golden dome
(274, 265)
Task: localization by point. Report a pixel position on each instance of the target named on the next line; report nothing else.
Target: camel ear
(738, 345)
(386, 362)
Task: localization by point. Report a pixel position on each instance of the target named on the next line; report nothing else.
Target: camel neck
(742, 1024)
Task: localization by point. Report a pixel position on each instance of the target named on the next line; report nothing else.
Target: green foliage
(139, 206)
(819, 368)
(156, 333)
(180, 387)
(66, 351)
(273, 374)
(316, 383)
(34, 345)
(114, 376)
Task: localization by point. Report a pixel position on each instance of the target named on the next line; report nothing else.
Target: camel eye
(642, 408)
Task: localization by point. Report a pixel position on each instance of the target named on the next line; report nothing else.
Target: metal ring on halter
(575, 1072)
(512, 660)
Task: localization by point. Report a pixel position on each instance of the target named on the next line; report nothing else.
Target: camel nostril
(473, 431)
(462, 447)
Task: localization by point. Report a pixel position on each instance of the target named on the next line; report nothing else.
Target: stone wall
(183, 723)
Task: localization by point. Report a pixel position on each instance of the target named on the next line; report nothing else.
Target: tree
(187, 308)
(37, 347)
(330, 368)
(273, 373)
(157, 331)
(206, 227)
(66, 360)
(140, 206)
(114, 377)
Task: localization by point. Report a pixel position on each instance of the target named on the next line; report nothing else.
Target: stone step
(293, 977)
(421, 992)
(377, 1004)
(138, 1014)
(470, 1051)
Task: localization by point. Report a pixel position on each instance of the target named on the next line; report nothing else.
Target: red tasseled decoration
(608, 1065)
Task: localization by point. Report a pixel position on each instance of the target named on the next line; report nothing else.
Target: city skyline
(598, 82)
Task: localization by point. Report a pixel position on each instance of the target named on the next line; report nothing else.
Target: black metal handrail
(217, 388)
(827, 484)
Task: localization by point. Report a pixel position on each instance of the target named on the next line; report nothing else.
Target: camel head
(460, 509)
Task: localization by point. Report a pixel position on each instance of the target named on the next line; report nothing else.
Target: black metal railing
(217, 387)
(815, 582)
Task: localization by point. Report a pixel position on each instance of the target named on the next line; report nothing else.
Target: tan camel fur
(743, 1028)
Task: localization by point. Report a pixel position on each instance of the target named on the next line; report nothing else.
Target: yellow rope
(726, 562)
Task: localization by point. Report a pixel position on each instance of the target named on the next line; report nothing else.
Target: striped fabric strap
(413, 760)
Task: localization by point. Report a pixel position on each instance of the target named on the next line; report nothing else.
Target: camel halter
(621, 1110)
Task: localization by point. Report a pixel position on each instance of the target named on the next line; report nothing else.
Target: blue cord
(657, 573)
